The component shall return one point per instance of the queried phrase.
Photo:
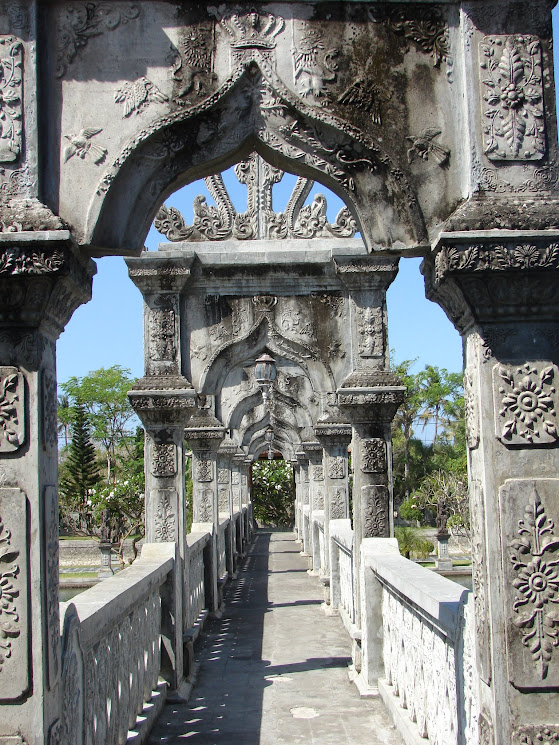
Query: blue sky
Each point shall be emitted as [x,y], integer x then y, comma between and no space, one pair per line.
[108,330]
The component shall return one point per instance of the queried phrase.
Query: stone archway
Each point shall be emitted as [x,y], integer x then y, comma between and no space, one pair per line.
[436,150]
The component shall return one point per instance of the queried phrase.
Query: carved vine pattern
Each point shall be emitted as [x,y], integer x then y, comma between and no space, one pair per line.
[9,617]
[11,92]
[164,460]
[478,258]
[424,26]
[534,559]
[164,518]
[513,112]
[82,21]
[10,405]
[21,261]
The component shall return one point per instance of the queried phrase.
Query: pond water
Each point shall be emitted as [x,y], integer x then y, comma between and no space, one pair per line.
[67,593]
[464,579]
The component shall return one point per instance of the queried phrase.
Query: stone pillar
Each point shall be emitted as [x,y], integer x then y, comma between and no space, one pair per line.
[302,498]
[501,292]
[313,451]
[246,500]
[164,400]
[334,438]
[204,436]
[317,490]
[43,280]
[225,501]
[236,495]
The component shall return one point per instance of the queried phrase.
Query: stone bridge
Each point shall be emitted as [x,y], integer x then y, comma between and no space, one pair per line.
[435,124]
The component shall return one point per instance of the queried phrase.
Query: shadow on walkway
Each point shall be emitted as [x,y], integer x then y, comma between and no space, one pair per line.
[273,669]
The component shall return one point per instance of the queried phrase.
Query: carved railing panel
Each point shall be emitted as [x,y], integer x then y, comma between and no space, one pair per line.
[221,550]
[196,596]
[111,655]
[429,651]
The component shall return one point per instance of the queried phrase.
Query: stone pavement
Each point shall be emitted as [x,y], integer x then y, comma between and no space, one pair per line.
[273,670]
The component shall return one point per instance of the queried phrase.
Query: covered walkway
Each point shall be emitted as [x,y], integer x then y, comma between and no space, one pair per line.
[274,669]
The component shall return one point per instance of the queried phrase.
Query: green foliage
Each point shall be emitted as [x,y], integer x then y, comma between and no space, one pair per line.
[411,542]
[273,491]
[79,472]
[410,511]
[451,490]
[103,393]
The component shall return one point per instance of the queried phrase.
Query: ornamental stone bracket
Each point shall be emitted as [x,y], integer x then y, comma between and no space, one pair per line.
[43,279]
[160,271]
[367,272]
[489,276]
[371,397]
[167,406]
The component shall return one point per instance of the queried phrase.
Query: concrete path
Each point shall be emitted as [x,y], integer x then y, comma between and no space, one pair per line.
[273,670]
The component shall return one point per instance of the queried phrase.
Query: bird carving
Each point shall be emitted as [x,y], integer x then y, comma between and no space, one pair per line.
[138,94]
[80,145]
[423,146]
[364,94]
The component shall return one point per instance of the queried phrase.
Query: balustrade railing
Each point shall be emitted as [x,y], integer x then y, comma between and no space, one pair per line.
[342,581]
[196,596]
[111,653]
[428,651]
[222,549]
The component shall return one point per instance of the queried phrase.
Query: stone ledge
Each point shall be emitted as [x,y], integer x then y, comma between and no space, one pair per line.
[408,730]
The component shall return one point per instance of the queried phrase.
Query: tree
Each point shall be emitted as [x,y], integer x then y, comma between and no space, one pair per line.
[273,492]
[64,417]
[410,542]
[407,415]
[438,391]
[451,490]
[80,472]
[104,395]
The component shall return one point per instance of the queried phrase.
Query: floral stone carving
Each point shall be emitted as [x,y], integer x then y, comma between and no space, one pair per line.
[336,467]
[513,111]
[339,504]
[164,459]
[136,96]
[373,455]
[531,581]
[164,522]
[471,410]
[11,91]
[14,670]
[536,734]
[525,404]
[375,511]
[204,470]
[12,408]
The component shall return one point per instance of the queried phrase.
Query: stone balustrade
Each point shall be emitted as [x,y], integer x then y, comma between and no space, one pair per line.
[342,576]
[111,653]
[222,529]
[428,649]
[196,597]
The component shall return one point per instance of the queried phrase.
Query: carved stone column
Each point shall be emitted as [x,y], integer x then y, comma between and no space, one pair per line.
[502,294]
[42,281]
[334,438]
[236,496]
[204,436]
[317,490]
[164,400]
[313,451]
[301,469]
[225,501]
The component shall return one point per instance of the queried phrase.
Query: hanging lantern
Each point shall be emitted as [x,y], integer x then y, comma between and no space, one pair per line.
[265,370]
[269,435]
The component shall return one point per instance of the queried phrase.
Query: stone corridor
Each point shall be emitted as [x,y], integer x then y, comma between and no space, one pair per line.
[273,670]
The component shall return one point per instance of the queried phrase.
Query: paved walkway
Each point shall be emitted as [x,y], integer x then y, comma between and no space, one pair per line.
[273,670]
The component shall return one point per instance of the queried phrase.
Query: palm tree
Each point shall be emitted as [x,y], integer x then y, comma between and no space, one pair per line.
[64,417]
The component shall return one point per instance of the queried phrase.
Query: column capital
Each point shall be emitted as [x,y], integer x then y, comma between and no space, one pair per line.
[43,279]
[157,407]
[485,277]
[367,272]
[333,433]
[205,432]
[371,397]
[160,272]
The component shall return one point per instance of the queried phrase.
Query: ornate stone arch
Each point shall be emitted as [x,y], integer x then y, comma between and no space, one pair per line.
[252,111]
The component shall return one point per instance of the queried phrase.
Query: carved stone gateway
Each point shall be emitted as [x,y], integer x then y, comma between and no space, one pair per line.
[434,123]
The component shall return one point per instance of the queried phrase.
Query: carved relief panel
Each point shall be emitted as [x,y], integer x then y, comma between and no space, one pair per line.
[204,469]
[373,455]
[14,639]
[336,467]
[204,506]
[479,581]
[471,407]
[370,332]
[163,508]
[339,504]
[318,472]
[162,344]
[374,501]
[512,98]
[163,459]
[51,583]
[531,544]
[525,403]
[11,98]
[12,409]
[49,409]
